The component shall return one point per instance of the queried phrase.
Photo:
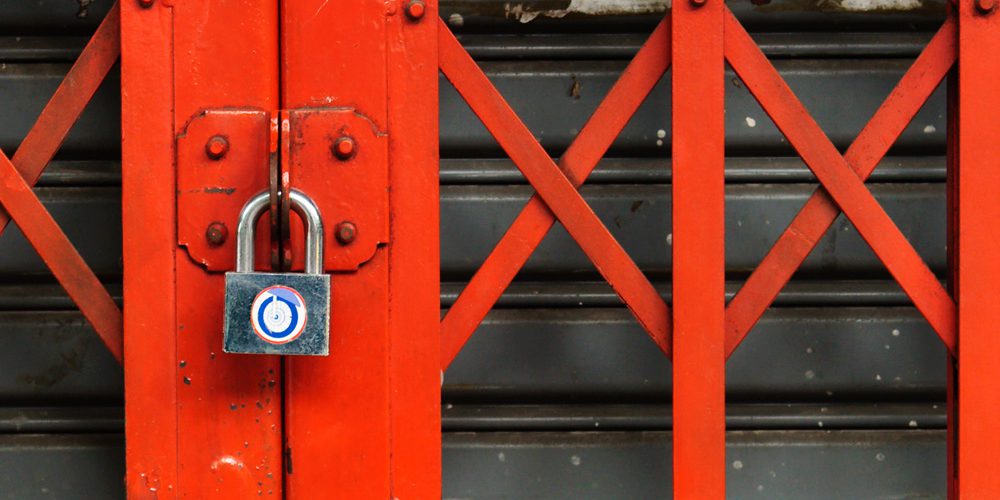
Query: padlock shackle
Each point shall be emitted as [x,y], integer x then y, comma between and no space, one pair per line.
[302,205]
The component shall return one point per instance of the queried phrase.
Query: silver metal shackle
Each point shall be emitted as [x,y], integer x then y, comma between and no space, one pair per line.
[308,212]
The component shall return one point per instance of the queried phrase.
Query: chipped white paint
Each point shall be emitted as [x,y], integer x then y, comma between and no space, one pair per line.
[751,122]
[659,142]
[810,374]
[661,133]
[880,457]
[895,333]
[575,460]
[930,129]
[875,5]
[737,464]
[525,13]
[456,20]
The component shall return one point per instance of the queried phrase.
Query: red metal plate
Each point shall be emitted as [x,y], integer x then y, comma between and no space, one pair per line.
[212,190]
[351,186]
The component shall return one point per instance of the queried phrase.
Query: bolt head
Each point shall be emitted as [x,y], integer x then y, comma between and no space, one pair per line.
[217,147]
[145,4]
[986,6]
[216,234]
[698,3]
[416,9]
[344,148]
[346,232]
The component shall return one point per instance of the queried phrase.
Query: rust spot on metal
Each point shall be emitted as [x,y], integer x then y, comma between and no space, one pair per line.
[574,89]
[219,190]
[82,12]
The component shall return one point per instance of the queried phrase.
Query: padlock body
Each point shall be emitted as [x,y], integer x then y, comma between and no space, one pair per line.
[276,313]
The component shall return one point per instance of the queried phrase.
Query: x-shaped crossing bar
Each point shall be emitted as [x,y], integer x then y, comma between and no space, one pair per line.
[19,174]
[557,196]
[820,211]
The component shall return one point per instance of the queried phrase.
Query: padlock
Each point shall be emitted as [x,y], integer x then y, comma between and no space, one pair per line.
[278,313]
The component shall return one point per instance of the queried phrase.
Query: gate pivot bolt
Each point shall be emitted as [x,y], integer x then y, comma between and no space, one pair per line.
[216,234]
[986,6]
[344,148]
[346,232]
[415,9]
[217,147]
[145,4]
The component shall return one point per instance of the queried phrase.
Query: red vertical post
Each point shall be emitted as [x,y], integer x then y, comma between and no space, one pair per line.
[149,245]
[978,267]
[698,250]
[414,253]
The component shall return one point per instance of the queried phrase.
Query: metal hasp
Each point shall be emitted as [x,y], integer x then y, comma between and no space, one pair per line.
[278,313]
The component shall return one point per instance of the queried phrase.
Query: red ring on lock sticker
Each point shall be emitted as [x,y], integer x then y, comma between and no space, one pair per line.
[278,314]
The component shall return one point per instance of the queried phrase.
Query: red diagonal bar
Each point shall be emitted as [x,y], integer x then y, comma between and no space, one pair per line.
[68,101]
[558,192]
[820,210]
[62,258]
[535,219]
[842,183]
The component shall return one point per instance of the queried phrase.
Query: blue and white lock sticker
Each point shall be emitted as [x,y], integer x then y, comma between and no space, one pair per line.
[278,314]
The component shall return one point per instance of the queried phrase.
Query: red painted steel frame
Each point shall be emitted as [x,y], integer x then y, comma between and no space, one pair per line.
[535,219]
[699,407]
[362,423]
[978,267]
[820,210]
[555,189]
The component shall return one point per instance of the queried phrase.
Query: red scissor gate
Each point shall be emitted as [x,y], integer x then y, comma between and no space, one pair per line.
[265,87]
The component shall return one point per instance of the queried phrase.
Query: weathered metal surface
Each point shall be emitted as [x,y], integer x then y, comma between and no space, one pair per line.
[539,215]
[540,93]
[350,189]
[474,216]
[568,15]
[62,466]
[601,354]
[645,417]
[763,464]
[755,217]
[820,211]
[595,465]
[53,356]
[212,190]
[552,96]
